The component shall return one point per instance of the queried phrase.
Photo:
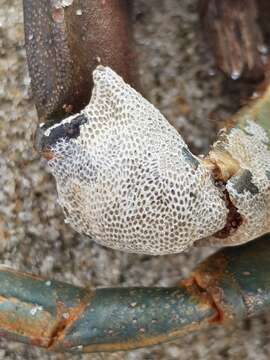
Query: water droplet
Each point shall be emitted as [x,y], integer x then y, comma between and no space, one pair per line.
[62,3]
[235,74]
[35,309]
[212,72]
[263,49]
[67,2]
[255,95]
[66,315]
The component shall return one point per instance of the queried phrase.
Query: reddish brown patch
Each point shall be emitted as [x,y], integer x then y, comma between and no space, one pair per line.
[66,318]
[234,218]
[47,154]
[223,166]
[205,297]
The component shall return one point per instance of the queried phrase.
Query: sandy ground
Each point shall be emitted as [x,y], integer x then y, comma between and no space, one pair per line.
[33,235]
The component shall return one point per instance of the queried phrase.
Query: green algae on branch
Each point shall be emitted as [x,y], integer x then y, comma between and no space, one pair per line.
[258,110]
[231,284]
[62,317]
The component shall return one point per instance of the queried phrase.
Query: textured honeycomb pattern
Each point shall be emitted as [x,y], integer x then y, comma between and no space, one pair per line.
[249,188]
[128,180]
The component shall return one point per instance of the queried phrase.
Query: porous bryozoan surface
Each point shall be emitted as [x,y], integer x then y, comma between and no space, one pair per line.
[248,188]
[127,178]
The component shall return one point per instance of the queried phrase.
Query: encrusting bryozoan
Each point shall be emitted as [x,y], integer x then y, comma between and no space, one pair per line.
[126,178]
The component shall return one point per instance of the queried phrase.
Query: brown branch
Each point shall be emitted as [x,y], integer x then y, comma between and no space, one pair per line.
[65,41]
[234,36]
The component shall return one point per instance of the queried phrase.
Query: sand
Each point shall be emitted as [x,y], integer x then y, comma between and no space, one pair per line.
[175,71]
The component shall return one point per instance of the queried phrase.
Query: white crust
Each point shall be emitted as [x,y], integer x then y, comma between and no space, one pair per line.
[129,180]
